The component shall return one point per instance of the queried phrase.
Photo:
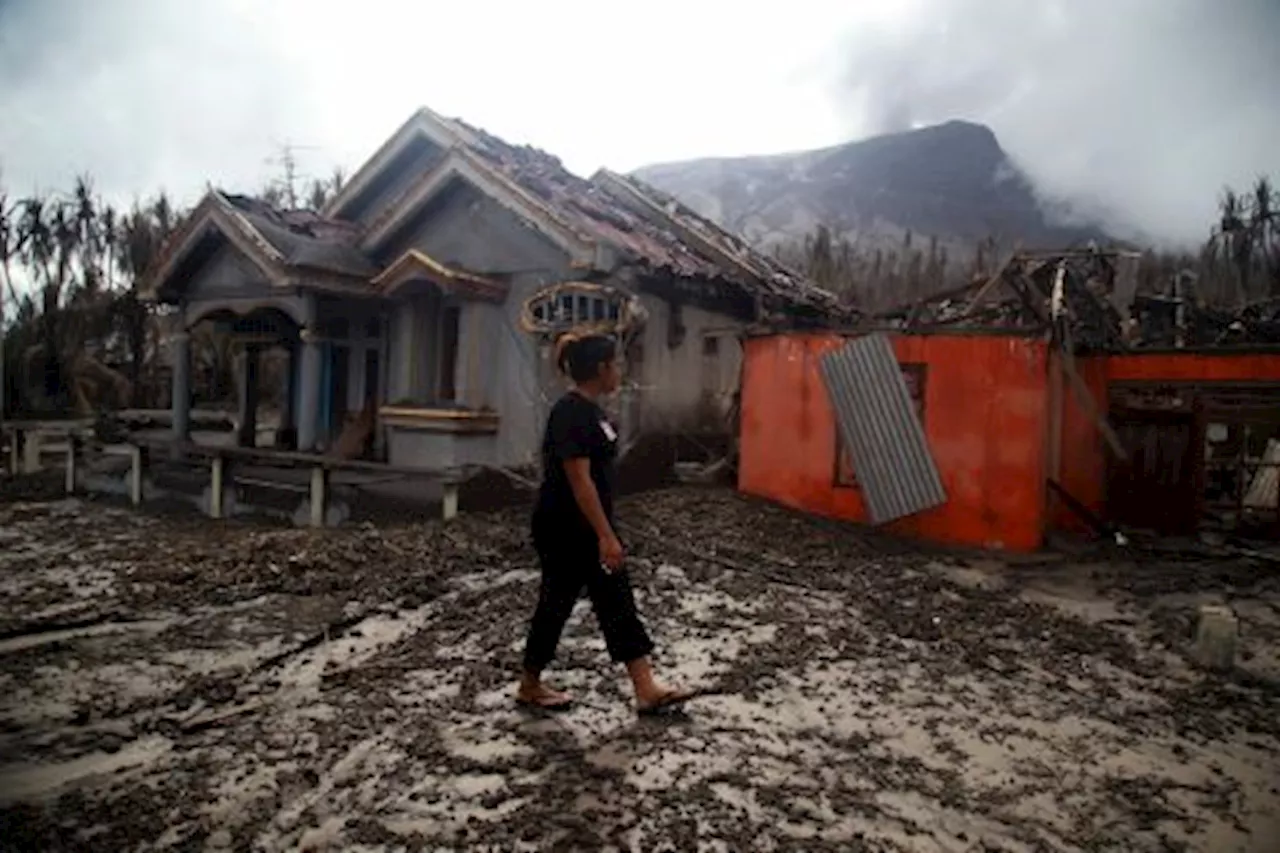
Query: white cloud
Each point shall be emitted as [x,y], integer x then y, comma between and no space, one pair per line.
[1144,106]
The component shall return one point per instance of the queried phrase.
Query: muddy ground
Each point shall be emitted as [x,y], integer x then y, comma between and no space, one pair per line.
[174,684]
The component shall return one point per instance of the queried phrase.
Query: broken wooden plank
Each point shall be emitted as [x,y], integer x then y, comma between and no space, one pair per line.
[985,290]
[1087,402]
[1088,516]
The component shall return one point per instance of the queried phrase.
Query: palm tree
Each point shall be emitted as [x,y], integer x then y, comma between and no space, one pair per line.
[8,247]
[140,235]
[1265,219]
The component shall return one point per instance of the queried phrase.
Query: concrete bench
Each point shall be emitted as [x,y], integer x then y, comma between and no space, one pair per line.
[29,441]
[318,489]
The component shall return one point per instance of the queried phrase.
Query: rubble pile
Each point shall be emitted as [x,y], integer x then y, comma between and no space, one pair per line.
[1021,295]
[1096,283]
[1168,321]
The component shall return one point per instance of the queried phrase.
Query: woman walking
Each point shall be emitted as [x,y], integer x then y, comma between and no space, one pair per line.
[574,535]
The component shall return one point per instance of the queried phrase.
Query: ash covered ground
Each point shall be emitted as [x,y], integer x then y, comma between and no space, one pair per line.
[170,683]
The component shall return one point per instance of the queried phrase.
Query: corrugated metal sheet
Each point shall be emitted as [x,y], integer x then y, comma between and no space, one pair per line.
[879,425]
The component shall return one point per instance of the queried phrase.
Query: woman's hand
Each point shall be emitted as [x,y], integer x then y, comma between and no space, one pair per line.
[611,553]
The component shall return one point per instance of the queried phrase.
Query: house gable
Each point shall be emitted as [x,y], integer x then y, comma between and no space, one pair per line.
[210,229]
[458,166]
[463,227]
[414,157]
[424,157]
[415,265]
[396,164]
[221,271]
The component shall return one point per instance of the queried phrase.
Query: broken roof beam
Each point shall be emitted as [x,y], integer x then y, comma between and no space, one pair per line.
[989,286]
[626,192]
[1071,254]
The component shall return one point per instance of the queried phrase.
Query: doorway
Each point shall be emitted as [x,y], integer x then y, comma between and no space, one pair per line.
[372,377]
[340,371]
[1158,487]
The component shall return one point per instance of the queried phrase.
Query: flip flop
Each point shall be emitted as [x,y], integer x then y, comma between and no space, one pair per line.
[668,700]
[545,705]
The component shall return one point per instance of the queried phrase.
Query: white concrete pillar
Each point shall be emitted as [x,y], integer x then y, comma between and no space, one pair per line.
[319,495]
[309,378]
[32,444]
[181,402]
[449,503]
[216,471]
[135,476]
[71,464]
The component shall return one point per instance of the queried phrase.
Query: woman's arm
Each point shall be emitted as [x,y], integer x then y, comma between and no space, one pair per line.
[578,471]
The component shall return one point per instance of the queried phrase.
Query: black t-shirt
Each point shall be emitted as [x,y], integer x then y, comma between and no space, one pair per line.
[576,428]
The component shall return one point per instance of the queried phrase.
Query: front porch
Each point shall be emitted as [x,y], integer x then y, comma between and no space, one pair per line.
[311,388]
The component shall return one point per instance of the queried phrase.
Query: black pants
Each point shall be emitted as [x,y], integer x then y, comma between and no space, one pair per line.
[570,563]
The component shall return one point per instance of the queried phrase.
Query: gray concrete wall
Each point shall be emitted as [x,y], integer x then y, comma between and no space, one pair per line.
[435,450]
[498,363]
[686,388]
[421,159]
[465,228]
[228,274]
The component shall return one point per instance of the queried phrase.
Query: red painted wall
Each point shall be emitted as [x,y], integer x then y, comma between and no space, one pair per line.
[984,408]
[1083,464]
[1194,367]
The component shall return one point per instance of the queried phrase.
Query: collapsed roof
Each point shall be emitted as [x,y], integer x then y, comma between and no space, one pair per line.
[611,223]
[1026,294]
[304,238]
[1020,296]
[648,226]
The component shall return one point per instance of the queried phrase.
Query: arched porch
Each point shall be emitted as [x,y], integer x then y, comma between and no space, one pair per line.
[301,365]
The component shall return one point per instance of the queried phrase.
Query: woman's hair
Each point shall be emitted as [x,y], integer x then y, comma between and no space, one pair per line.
[579,356]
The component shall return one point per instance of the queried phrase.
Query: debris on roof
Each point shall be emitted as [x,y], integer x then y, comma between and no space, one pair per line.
[601,209]
[657,240]
[1020,296]
[1178,319]
[304,238]
[1024,295]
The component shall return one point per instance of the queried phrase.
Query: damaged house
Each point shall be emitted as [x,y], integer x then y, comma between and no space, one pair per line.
[998,413]
[418,308]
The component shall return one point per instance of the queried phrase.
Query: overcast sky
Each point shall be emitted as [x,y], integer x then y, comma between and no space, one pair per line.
[1142,108]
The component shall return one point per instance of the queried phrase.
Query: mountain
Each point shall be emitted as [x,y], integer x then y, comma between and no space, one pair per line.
[951,181]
